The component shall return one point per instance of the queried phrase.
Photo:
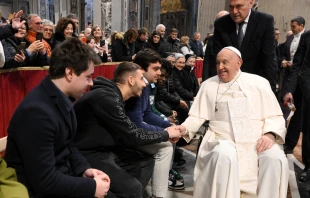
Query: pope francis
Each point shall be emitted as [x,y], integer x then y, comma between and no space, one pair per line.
[241,153]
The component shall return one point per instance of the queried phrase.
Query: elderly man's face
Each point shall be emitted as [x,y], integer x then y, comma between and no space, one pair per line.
[162,31]
[239,9]
[36,24]
[227,64]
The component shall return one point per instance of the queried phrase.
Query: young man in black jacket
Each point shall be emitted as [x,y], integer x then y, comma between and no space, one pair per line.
[109,140]
[40,134]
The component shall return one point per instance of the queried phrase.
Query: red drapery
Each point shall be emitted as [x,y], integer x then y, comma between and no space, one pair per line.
[15,84]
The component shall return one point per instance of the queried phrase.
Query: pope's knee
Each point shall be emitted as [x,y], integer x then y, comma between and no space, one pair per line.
[273,156]
[225,153]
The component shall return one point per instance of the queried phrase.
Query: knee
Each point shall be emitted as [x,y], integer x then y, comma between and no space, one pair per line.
[135,188]
[225,155]
[165,149]
[274,156]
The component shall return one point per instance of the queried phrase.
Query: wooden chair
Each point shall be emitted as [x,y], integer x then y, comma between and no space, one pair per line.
[3,142]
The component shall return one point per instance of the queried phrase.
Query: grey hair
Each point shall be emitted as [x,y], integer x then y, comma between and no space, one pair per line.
[72,16]
[29,18]
[47,22]
[160,26]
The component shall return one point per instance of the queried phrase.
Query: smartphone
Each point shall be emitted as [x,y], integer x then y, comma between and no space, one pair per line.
[39,36]
[21,47]
[102,43]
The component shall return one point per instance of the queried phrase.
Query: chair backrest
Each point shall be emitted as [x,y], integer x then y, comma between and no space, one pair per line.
[3,144]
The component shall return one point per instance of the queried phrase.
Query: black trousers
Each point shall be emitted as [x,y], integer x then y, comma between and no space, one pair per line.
[129,171]
[294,128]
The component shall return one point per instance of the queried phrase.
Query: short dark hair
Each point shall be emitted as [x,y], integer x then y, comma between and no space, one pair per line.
[174,30]
[71,53]
[145,57]
[299,20]
[166,65]
[143,31]
[123,69]
[275,29]
[72,16]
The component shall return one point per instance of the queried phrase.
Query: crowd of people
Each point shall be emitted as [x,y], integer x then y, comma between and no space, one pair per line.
[113,139]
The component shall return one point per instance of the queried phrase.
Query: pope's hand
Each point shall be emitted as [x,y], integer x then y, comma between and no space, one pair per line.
[182,129]
[265,143]
[173,132]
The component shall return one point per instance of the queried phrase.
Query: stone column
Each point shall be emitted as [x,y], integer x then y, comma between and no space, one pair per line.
[43,9]
[97,12]
[133,14]
[117,16]
[57,11]
[154,14]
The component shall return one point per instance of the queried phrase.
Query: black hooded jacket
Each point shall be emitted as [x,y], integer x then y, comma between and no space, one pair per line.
[103,124]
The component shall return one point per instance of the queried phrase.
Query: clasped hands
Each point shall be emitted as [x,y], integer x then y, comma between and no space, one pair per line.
[102,181]
[175,132]
[265,142]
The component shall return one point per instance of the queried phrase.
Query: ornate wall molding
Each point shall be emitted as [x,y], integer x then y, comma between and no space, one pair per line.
[43,7]
[74,6]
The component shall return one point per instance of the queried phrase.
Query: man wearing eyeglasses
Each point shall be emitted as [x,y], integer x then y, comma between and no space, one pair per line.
[35,26]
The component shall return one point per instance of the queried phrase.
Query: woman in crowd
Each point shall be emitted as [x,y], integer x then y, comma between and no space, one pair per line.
[90,41]
[48,31]
[154,42]
[182,80]
[63,30]
[18,54]
[123,48]
[100,43]
[190,61]
[185,48]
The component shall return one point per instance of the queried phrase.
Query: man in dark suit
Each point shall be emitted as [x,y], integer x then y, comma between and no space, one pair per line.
[300,77]
[289,50]
[42,128]
[255,39]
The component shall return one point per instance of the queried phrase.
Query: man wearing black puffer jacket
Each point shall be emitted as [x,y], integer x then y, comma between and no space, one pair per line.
[109,140]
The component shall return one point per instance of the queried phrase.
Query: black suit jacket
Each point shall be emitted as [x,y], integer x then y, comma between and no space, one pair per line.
[40,146]
[301,65]
[258,46]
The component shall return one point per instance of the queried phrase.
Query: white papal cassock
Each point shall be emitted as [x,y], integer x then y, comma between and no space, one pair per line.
[228,164]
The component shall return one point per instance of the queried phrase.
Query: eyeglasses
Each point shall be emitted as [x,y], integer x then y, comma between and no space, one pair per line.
[38,23]
[48,30]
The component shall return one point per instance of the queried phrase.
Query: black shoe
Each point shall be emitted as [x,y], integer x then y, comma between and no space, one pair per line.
[304,175]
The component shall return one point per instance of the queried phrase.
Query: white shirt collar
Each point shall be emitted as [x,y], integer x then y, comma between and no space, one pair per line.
[146,82]
[298,35]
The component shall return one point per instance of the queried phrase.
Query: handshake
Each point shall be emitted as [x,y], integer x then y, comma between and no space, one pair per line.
[175,132]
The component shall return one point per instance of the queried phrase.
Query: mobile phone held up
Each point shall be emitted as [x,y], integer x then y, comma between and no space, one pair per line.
[102,43]
[21,47]
[39,36]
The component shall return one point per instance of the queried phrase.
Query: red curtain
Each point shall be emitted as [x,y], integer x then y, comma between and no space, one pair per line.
[199,67]
[12,93]
[15,85]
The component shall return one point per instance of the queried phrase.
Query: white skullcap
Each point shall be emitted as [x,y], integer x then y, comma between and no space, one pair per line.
[234,50]
[178,55]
